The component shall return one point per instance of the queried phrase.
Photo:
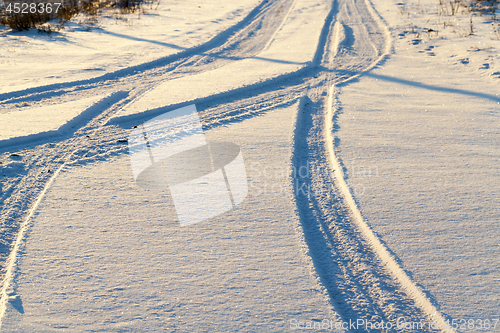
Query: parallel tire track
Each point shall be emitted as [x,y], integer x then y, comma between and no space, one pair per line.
[363,279]
[243,40]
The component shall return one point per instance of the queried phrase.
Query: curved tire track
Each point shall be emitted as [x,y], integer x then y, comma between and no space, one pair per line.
[363,279]
[45,161]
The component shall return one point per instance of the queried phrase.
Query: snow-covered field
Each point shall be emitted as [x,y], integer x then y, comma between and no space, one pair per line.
[370,137]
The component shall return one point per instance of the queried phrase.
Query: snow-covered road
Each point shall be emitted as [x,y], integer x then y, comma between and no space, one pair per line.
[85,249]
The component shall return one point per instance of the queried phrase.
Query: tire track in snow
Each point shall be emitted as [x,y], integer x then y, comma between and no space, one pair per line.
[396,271]
[12,258]
[363,279]
[45,164]
[242,40]
[352,273]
